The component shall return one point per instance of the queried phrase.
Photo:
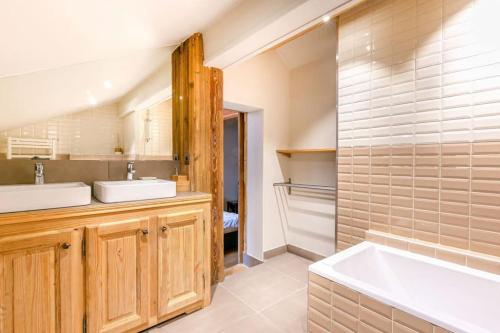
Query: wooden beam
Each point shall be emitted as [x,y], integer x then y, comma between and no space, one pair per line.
[217,171]
[197,113]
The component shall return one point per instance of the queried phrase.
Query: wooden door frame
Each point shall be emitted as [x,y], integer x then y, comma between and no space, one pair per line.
[242,182]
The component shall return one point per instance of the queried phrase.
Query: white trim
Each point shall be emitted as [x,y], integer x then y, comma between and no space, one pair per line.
[294,22]
[240,107]
[160,96]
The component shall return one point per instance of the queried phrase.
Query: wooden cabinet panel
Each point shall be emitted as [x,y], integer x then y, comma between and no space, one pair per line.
[37,273]
[118,270]
[139,267]
[180,260]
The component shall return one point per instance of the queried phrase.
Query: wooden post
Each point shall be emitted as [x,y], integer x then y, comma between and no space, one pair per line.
[197,117]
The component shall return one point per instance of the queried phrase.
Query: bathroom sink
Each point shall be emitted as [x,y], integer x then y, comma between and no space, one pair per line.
[16,198]
[130,190]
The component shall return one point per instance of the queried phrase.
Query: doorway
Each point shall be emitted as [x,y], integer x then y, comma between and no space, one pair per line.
[234,187]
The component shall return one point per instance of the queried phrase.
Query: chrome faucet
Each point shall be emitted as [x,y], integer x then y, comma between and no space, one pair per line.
[39,175]
[130,171]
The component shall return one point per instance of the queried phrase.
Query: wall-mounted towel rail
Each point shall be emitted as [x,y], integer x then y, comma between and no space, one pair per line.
[41,148]
[308,186]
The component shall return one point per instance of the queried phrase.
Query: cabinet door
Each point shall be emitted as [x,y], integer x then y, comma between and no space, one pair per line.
[36,282]
[180,260]
[117,275]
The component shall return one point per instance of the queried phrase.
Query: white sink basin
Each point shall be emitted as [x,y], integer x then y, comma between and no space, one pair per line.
[130,190]
[16,198]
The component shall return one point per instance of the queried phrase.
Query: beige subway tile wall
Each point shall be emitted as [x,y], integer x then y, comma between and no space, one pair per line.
[335,308]
[419,122]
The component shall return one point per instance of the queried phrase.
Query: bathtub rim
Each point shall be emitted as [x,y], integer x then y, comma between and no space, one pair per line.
[323,268]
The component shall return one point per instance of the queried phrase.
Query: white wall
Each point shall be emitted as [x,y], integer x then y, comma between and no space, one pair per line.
[310,215]
[242,22]
[313,105]
[255,184]
[155,88]
[264,82]
[299,111]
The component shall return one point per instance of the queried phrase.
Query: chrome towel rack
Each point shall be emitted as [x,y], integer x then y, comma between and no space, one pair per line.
[291,185]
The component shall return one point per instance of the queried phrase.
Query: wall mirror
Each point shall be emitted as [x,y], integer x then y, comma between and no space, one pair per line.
[111,109]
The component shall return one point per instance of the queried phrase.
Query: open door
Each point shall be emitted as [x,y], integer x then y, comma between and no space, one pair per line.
[234,188]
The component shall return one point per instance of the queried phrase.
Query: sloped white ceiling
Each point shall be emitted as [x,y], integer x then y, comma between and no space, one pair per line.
[29,98]
[62,56]
[38,35]
[313,46]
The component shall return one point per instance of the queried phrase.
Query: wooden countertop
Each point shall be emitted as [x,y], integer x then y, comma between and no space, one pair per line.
[97,208]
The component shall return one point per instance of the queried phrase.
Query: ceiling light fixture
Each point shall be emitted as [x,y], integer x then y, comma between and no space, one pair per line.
[108,84]
[92,100]
[326,18]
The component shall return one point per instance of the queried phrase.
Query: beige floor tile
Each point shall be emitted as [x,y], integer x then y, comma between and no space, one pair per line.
[224,311]
[257,275]
[267,298]
[266,289]
[252,324]
[292,265]
[291,313]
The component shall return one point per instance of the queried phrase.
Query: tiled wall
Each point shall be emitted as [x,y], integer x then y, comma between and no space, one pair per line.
[471,259]
[419,122]
[100,130]
[161,130]
[22,171]
[94,131]
[335,308]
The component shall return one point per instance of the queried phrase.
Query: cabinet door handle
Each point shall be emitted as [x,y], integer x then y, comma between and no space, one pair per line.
[145,232]
[66,246]
[163,229]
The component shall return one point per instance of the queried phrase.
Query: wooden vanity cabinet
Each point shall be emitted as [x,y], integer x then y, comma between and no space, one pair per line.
[122,268]
[181,278]
[117,275]
[38,273]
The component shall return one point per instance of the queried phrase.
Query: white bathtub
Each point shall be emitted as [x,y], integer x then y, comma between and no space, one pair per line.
[455,297]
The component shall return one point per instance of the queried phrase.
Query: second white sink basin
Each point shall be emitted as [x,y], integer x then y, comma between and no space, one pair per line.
[16,198]
[130,190]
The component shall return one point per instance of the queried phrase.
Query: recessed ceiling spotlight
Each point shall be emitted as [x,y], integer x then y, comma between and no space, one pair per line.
[326,18]
[108,84]
[90,97]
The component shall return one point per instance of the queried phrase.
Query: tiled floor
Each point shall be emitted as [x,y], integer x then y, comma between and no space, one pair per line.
[268,298]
